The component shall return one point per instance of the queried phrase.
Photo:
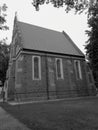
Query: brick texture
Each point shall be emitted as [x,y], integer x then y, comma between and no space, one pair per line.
[49,87]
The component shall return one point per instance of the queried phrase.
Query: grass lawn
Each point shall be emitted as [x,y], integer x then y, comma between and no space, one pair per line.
[79,114]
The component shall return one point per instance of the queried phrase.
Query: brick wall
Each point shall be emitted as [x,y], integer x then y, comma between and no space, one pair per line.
[69,86]
[32,88]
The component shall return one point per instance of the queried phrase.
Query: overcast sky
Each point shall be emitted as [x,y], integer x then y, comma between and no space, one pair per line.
[48,17]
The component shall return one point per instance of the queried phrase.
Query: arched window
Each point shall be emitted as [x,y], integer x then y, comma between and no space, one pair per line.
[59,68]
[36,68]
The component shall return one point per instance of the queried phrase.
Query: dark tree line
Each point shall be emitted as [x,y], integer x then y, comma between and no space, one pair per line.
[4,48]
[92,43]
[4,60]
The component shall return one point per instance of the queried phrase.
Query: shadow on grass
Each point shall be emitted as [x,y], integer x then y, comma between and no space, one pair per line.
[22,113]
[16,112]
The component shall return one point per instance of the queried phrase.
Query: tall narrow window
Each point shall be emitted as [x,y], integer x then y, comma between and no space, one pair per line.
[78,69]
[36,68]
[59,68]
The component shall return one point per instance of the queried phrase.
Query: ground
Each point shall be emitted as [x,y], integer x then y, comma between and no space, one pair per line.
[73,114]
[7,122]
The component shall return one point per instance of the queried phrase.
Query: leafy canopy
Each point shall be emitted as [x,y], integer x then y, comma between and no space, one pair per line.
[92,43]
[78,5]
[3,15]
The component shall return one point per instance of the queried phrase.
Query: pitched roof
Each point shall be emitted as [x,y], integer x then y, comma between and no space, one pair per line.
[38,38]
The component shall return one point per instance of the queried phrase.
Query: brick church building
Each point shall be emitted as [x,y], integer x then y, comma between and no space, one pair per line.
[46,64]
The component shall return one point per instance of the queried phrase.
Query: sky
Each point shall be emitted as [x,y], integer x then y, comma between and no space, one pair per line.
[47,17]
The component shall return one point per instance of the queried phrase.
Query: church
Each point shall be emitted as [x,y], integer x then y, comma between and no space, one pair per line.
[46,65]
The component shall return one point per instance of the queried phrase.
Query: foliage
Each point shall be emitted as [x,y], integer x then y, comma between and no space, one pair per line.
[78,5]
[4,59]
[4,48]
[3,9]
[92,43]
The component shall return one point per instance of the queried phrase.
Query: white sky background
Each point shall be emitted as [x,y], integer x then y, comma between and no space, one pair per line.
[48,17]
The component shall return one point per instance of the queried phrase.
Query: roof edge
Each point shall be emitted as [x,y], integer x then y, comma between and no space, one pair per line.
[56,53]
[66,35]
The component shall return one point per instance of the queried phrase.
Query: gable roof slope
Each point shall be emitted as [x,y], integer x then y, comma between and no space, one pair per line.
[41,39]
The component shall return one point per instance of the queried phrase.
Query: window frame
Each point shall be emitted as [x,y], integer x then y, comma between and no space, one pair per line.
[39,65]
[61,68]
[78,71]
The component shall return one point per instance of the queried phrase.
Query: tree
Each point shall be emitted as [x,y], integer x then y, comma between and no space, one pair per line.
[4,48]
[3,9]
[4,59]
[78,5]
[92,43]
